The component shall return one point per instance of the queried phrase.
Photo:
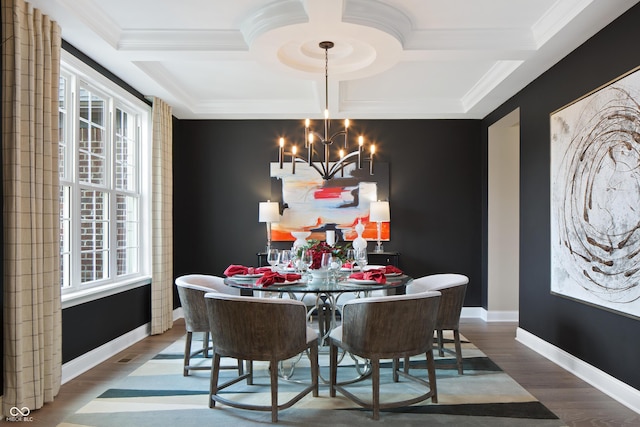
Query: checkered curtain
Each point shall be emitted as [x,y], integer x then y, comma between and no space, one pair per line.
[162,218]
[31,266]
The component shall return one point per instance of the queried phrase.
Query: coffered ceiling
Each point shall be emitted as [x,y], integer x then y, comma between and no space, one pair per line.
[259,59]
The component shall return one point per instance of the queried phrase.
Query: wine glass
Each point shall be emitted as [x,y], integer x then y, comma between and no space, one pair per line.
[285,260]
[325,261]
[331,264]
[350,258]
[334,267]
[273,257]
[306,259]
[361,258]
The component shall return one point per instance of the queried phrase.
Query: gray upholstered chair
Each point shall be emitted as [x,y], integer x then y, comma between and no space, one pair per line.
[191,290]
[265,329]
[453,288]
[386,328]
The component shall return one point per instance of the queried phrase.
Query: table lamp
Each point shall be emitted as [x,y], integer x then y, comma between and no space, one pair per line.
[379,213]
[269,212]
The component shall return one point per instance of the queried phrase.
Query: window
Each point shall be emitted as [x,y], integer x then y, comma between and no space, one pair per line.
[104,187]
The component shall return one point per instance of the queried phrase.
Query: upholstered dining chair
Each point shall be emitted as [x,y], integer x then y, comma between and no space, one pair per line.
[385,327]
[260,329]
[191,291]
[453,288]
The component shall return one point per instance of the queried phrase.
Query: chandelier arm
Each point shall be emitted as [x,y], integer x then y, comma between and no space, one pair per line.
[346,160]
[335,135]
[313,165]
[317,135]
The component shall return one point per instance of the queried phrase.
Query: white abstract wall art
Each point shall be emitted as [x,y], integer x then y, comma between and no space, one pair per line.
[595,197]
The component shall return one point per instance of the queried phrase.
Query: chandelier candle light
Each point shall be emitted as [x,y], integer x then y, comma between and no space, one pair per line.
[379,213]
[325,168]
[268,212]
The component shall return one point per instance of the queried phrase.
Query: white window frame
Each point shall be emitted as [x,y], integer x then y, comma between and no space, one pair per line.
[78,73]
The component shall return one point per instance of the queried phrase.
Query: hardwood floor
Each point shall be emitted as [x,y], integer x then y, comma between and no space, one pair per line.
[573,400]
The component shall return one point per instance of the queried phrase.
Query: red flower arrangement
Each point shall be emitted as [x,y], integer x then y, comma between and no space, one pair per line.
[318,247]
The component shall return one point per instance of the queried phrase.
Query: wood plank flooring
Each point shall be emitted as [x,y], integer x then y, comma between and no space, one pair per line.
[574,401]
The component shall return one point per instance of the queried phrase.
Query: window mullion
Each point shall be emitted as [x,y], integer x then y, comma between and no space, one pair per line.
[76,205]
[113,229]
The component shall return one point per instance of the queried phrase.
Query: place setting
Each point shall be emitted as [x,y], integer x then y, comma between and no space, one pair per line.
[281,272]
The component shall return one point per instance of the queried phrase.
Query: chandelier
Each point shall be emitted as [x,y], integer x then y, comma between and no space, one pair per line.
[324,166]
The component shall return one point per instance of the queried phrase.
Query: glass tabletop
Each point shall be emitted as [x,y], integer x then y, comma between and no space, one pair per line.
[320,285]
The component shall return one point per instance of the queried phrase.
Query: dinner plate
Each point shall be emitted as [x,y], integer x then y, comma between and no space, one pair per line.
[349,269]
[248,276]
[393,274]
[373,267]
[363,282]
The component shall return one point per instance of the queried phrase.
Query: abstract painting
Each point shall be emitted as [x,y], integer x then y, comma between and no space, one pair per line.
[314,205]
[595,197]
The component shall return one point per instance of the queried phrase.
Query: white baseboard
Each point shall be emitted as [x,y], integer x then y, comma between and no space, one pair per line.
[489,316]
[616,389]
[471,313]
[83,363]
[501,316]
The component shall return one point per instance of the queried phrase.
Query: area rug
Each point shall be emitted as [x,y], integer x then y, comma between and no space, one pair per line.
[157,394]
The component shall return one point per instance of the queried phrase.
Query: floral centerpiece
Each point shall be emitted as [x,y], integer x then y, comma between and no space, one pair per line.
[318,247]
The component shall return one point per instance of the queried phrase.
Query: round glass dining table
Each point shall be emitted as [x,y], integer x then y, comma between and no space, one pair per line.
[394,284]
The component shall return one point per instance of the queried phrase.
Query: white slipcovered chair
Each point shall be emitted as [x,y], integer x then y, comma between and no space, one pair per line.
[191,290]
[453,288]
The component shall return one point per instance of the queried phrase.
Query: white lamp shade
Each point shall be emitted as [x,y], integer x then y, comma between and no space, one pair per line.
[269,212]
[379,212]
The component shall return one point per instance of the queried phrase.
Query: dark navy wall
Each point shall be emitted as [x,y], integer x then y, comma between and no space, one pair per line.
[601,338]
[221,172]
[88,326]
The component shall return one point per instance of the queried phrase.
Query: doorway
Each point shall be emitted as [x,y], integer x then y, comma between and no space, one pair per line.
[503,219]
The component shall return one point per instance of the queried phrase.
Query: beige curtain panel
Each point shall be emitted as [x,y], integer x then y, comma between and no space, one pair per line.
[32,312]
[162,218]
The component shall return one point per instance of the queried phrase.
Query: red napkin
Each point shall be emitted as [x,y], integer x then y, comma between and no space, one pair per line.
[234,269]
[376,275]
[390,269]
[271,278]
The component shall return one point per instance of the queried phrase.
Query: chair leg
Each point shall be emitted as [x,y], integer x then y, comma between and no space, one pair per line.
[431,369]
[394,369]
[313,355]
[187,354]
[250,372]
[440,340]
[240,367]
[375,387]
[205,345]
[273,368]
[213,386]
[333,368]
[406,364]
[456,339]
